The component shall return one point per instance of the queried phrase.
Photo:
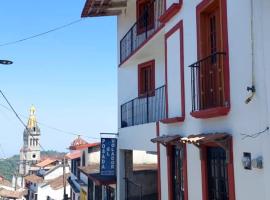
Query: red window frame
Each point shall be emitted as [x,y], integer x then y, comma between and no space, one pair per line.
[230,170]
[203,8]
[141,4]
[142,91]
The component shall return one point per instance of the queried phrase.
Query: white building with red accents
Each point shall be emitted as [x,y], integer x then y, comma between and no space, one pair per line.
[193,88]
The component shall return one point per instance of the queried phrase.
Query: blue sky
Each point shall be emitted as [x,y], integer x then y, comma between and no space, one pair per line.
[69,75]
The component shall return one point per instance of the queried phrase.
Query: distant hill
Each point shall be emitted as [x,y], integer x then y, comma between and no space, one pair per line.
[8,166]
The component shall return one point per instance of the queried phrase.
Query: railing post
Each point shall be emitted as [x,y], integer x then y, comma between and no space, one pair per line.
[131,38]
[132,110]
[147,107]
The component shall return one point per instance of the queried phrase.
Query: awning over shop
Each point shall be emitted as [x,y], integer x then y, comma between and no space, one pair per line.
[95,8]
[73,186]
[200,139]
[167,139]
[221,139]
[99,179]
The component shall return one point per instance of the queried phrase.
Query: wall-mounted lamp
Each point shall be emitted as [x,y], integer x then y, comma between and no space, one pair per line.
[6,62]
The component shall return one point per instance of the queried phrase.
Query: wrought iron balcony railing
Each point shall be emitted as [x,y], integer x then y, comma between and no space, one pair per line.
[146,26]
[207,82]
[141,110]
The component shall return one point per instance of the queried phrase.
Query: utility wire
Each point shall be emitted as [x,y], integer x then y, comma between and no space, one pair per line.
[18,117]
[255,135]
[2,151]
[51,127]
[40,34]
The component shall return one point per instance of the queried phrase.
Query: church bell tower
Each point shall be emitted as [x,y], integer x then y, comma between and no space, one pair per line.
[30,152]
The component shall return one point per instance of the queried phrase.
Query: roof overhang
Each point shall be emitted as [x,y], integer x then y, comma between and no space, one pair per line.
[97,8]
[84,146]
[167,139]
[102,180]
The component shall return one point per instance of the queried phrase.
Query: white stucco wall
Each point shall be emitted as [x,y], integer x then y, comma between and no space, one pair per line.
[44,192]
[243,118]
[174,73]
[143,157]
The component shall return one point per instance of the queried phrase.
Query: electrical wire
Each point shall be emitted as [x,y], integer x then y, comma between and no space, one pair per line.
[18,117]
[52,127]
[255,135]
[2,151]
[41,34]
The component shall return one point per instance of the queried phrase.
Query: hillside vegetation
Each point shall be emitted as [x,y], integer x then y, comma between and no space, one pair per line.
[9,166]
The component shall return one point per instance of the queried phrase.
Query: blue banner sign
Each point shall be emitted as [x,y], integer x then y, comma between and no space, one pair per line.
[108,156]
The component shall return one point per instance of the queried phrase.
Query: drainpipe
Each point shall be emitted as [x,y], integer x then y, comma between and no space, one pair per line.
[251,88]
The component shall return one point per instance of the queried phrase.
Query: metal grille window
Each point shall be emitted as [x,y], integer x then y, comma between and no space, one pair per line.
[217,174]
[178,173]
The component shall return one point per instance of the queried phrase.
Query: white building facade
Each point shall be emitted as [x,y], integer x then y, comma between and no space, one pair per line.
[193,87]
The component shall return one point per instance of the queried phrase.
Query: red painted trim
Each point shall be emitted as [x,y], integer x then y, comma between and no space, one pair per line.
[170,13]
[172,120]
[142,45]
[225,44]
[151,64]
[159,170]
[169,171]
[165,3]
[185,169]
[150,26]
[230,169]
[211,112]
[178,26]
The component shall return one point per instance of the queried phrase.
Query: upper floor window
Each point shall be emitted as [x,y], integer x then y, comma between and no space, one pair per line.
[145,15]
[210,82]
[146,78]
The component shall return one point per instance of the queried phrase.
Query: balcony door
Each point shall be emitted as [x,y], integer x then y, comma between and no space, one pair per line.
[211,70]
[146,79]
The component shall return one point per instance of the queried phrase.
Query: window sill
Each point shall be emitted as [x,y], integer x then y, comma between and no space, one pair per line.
[211,112]
[173,120]
[170,12]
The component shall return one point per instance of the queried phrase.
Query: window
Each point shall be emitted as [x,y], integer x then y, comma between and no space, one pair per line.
[217,174]
[177,164]
[210,74]
[146,78]
[145,15]
[31,141]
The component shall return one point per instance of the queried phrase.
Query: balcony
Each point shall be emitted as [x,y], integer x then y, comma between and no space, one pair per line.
[209,86]
[141,110]
[143,30]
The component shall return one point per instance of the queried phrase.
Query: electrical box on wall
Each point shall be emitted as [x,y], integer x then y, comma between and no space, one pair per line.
[246,160]
[257,162]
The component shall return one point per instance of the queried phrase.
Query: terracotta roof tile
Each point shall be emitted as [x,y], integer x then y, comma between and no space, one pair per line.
[34,178]
[90,169]
[5,182]
[46,162]
[57,183]
[73,155]
[11,194]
